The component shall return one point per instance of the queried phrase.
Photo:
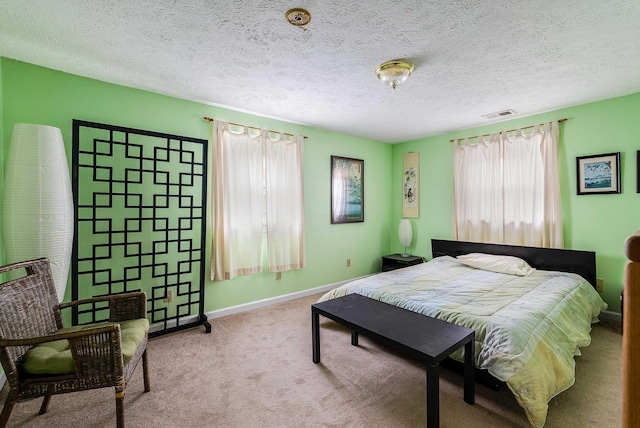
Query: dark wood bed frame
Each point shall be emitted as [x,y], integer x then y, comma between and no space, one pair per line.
[580,262]
[574,261]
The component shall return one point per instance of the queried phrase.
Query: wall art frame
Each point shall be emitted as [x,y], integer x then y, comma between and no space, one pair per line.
[638,171]
[411,185]
[598,174]
[347,190]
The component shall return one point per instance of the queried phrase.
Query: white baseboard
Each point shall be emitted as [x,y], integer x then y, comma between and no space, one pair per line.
[274,300]
[249,306]
[610,317]
[172,323]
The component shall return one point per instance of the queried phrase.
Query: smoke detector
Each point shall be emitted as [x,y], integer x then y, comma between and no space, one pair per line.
[298,17]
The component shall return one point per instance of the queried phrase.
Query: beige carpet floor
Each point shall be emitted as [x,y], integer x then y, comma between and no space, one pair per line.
[255,370]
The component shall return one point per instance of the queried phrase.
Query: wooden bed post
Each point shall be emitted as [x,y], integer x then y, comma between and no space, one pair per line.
[631,335]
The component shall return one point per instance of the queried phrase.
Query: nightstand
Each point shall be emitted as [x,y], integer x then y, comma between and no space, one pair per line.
[397,261]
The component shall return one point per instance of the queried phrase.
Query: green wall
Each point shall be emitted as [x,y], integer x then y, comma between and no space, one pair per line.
[39,95]
[599,223]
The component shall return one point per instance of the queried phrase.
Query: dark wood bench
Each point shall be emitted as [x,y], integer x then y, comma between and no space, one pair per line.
[418,336]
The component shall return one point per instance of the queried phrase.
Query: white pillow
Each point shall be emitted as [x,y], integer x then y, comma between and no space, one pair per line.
[503,264]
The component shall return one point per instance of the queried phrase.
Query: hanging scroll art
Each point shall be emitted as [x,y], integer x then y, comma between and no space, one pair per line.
[410,185]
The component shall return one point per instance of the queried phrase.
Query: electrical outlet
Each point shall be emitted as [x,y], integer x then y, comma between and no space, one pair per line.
[169,296]
[600,284]
[278,275]
[348,262]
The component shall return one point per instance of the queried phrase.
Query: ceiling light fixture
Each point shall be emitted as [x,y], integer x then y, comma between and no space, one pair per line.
[298,17]
[394,72]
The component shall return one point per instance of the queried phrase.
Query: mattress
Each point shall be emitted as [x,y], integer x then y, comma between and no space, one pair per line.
[528,328]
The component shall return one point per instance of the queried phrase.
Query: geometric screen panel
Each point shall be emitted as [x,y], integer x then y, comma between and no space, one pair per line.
[140,205]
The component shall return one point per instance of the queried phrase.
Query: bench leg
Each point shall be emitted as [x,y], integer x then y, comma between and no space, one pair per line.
[469,372]
[433,396]
[354,338]
[315,335]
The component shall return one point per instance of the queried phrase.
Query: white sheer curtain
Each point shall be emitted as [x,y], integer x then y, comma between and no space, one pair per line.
[284,203]
[255,179]
[237,202]
[507,189]
[477,205]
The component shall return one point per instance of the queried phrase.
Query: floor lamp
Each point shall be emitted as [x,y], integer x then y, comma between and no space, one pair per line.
[37,208]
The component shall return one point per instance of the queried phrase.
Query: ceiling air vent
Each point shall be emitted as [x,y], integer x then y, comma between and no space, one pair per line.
[498,114]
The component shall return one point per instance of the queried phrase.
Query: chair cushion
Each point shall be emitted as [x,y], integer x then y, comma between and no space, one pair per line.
[53,358]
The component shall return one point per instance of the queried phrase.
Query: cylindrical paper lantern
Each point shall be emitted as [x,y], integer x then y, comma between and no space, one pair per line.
[38,204]
[405,234]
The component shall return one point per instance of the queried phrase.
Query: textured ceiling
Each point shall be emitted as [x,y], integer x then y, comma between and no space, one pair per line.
[472,57]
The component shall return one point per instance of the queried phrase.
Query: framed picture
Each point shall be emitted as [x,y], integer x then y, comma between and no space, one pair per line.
[598,174]
[410,185]
[347,190]
[638,171]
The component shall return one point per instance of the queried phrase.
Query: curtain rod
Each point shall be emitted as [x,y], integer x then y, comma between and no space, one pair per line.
[510,130]
[209,119]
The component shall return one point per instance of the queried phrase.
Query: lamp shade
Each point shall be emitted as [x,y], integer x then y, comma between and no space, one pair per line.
[37,208]
[405,233]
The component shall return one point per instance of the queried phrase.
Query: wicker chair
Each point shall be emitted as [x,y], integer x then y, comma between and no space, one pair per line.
[30,315]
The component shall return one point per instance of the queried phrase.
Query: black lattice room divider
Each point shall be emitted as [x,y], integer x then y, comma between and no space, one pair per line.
[140,206]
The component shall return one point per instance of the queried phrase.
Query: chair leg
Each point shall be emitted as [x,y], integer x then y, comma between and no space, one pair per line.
[6,410]
[45,404]
[145,371]
[120,409]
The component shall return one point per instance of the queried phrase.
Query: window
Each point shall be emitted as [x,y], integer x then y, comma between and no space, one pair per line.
[256,183]
[507,189]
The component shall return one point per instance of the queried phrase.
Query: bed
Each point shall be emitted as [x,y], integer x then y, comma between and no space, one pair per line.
[529,322]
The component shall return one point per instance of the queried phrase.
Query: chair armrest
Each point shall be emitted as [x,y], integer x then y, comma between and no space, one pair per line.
[122,307]
[32,341]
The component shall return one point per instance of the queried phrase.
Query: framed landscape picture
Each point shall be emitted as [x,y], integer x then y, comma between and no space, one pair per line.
[638,171]
[347,190]
[598,174]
